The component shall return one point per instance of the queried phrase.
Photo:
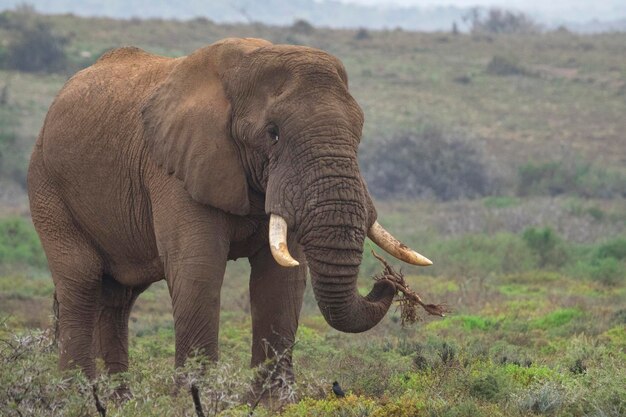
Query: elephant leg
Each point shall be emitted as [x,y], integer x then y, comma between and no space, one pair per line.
[77,296]
[276,300]
[110,341]
[195,268]
[195,291]
[76,269]
[193,242]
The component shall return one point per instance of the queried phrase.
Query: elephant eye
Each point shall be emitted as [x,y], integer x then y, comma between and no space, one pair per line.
[272,131]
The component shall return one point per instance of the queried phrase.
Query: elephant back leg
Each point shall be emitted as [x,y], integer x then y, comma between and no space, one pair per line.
[75,265]
[76,269]
[110,340]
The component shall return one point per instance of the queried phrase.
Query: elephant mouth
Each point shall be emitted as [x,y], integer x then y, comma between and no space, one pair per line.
[381,237]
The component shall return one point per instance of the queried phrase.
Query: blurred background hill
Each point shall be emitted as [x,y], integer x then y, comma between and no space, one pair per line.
[426,15]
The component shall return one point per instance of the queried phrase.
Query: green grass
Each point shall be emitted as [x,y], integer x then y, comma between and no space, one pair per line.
[19,244]
[523,339]
[556,319]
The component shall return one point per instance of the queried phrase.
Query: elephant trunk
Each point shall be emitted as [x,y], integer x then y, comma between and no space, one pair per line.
[332,235]
[335,289]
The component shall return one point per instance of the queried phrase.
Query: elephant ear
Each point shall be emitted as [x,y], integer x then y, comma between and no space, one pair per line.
[187,126]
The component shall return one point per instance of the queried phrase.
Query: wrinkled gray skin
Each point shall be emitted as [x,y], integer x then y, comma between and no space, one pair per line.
[151,168]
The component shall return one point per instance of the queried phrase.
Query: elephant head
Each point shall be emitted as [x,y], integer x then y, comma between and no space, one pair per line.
[245,114]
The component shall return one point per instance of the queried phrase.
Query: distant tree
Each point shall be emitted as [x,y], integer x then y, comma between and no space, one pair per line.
[362,34]
[496,20]
[455,28]
[303,27]
[33,46]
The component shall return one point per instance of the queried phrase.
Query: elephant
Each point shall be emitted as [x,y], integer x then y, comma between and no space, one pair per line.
[150,168]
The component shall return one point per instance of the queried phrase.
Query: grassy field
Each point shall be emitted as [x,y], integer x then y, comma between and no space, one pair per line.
[538,328]
[535,279]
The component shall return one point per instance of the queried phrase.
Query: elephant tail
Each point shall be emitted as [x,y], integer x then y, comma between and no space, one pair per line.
[55,312]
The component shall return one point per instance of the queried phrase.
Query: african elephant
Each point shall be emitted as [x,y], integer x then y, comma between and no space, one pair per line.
[151,168]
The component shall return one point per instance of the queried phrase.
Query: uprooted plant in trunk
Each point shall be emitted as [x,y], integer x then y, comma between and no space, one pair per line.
[409,300]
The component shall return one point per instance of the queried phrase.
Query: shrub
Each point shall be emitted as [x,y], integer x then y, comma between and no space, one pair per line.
[501,65]
[578,367]
[537,178]
[464,409]
[546,245]
[19,244]
[447,353]
[546,399]
[604,264]
[569,176]
[32,385]
[485,388]
[33,46]
[427,164]
[608,271]
[613,249]
[619,317]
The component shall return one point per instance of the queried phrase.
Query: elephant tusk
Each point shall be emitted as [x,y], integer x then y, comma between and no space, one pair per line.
[278,242]
[394,247]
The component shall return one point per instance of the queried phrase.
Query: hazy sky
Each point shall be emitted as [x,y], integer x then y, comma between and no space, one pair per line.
[590,4]
[550,13]
[553,9]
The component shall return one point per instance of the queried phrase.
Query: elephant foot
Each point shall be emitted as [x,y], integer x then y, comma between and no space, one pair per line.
[121,394]
[181,384]
[273,387]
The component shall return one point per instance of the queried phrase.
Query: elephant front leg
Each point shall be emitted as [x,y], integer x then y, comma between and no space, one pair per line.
[193,243]
[276,300]
[195,290]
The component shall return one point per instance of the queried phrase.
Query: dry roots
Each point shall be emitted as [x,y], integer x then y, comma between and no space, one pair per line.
[410,299]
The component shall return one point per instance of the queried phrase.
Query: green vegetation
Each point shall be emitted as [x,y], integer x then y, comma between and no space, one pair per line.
[502,65]
[567,177]
[449,167]
[529,335]
[12,158]
[525,221]
[32,47]
[19,244]
[546,246]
